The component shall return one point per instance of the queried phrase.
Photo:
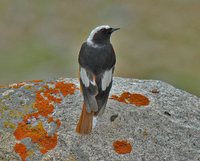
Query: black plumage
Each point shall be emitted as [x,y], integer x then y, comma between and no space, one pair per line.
[96,66]
[96,61]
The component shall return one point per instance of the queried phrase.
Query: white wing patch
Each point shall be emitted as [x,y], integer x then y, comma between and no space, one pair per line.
[86,81]
[84,77]
[106,79]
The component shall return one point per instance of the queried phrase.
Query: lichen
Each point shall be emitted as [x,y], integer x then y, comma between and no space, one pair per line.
[9,124]
[21,150]
[132,98]
[29,87]
[14,114]
[2,111]
[17,85]
[27,108]
[37,134]
[2,114]
[145,133]
[122,146]
[35,81]
[4,108]
[46,98]
[66,89]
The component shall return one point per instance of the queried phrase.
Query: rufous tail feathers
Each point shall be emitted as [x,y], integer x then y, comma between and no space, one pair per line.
[84,125]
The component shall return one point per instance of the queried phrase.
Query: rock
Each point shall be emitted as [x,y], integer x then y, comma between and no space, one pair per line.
[38,120]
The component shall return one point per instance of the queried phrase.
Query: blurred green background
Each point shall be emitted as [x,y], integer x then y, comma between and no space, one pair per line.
[159,39]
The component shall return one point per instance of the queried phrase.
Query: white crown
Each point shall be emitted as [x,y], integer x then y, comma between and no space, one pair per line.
[95,30]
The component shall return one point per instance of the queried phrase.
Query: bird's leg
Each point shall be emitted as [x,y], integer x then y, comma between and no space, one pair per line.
[94,122]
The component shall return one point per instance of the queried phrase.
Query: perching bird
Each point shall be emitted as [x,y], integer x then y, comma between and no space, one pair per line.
[96,67]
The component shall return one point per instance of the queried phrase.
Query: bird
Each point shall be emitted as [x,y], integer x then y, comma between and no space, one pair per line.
[97,61]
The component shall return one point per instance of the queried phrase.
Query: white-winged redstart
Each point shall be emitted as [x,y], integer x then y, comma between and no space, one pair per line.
[96,66]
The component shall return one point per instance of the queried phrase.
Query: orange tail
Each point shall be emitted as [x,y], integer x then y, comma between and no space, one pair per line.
[84,125]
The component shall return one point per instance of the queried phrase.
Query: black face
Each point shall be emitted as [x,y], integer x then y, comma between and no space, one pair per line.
[103,35]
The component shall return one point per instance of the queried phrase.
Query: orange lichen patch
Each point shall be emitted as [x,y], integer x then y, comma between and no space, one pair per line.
[50,90]
[132,98]
[48,142]
[21,150]
[66,88]
[36,81]
[37,134]
[58,122]
[43,151]
[28,116]
[48,93]
[122,147]
[50,119]
[44,106]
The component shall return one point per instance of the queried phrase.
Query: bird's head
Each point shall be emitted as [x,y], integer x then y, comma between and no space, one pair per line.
[101,35]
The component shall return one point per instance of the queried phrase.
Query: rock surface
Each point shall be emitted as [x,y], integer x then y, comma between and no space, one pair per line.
[165,128]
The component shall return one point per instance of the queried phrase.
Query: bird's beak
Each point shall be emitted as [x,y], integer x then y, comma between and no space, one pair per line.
[114,29]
